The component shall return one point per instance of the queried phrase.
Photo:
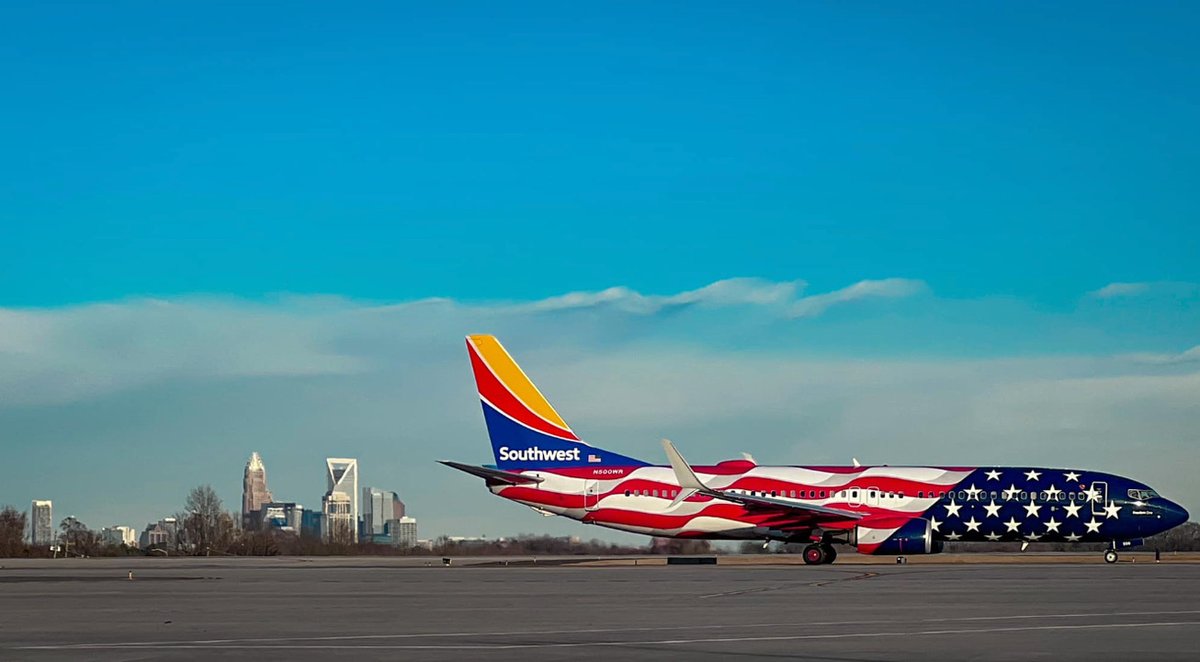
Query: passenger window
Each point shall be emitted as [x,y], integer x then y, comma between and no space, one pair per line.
[920,494]
[626,492]
[793,494]
[1024,495]
[822,494]
[773,493]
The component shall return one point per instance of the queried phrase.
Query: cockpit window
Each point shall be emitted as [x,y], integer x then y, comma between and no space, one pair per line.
[1142,495]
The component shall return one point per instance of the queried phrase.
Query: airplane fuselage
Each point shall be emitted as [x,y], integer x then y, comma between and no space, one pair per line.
[997,504]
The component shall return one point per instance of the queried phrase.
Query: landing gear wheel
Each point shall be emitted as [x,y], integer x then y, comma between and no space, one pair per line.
[1110,556]
[830,553]
[814,555]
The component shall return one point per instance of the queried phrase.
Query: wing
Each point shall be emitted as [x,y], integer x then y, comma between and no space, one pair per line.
[790,511]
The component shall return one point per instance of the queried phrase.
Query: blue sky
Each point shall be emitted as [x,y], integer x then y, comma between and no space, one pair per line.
[216,220]
[395,151]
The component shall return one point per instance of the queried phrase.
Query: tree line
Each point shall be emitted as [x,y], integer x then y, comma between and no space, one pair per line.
[205,528]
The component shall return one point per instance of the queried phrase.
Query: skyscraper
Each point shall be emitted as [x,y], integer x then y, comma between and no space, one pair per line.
[41,523]
[254,491]
[378,508]
[341,499]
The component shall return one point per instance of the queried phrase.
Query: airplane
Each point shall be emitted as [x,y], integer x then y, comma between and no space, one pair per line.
[541,463]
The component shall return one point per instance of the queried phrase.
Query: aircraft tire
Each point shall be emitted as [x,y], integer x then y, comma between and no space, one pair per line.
[1110,556]
[814,555]
[830,553]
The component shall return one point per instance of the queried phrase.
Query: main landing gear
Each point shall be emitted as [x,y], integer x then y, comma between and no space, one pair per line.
[816,554]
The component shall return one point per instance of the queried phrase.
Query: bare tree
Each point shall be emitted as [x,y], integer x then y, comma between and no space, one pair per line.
[679,546]
[205,527]
[341,533]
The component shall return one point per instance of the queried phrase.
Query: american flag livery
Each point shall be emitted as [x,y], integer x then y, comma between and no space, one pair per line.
[540,462]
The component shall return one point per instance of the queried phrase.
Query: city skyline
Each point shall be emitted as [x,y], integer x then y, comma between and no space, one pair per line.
[340,474]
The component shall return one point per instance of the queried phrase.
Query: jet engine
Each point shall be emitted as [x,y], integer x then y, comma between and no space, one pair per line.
[895,536]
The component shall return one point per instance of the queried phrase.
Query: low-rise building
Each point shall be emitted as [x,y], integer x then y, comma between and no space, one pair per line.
[402,532]
[283,516]
[120,535]
[162,533]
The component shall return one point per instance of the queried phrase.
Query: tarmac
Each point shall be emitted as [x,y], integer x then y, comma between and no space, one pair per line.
[407,609]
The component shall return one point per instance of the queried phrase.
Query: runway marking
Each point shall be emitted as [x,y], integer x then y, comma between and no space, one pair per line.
[268,642]
[652,642]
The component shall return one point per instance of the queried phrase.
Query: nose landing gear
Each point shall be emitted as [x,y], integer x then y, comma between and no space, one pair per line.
[1110,556]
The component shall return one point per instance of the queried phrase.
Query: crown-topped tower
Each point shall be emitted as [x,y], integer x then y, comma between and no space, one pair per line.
[254,491]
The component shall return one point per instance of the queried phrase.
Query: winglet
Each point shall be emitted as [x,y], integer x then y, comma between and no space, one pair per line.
[684,475]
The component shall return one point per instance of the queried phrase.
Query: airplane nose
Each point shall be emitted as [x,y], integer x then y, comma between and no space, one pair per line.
[1173,514]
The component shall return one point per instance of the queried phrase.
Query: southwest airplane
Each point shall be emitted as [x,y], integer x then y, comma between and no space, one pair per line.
[542,464]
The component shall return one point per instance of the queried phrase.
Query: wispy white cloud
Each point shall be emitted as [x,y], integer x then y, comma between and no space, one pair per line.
[1113,290]
[61,354]
[888,288]
[1187,356]
[728,292]
[1123,290]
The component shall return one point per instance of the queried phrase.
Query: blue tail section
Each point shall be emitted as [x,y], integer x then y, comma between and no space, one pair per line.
[517,447]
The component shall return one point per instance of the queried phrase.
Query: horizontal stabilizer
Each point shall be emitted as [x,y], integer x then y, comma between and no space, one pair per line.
[492,475]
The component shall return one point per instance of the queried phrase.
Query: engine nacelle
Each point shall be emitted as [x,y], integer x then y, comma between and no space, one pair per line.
[895,536]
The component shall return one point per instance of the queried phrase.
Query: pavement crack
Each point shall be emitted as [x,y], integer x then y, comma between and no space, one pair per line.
[789,585]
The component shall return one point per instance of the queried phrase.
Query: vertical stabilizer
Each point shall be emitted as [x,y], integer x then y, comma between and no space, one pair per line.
[525,430]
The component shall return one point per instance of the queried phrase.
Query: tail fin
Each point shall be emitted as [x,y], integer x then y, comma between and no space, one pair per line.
[525,430]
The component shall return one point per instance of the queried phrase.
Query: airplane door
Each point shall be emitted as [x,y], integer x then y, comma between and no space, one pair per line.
[591,494]
[1101,488]
[872,497]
